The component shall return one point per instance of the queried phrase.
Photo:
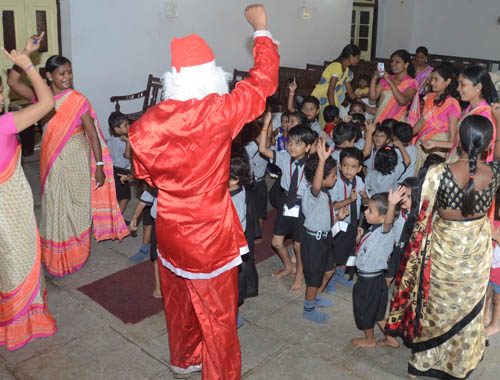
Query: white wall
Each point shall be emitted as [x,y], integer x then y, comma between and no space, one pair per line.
[466,28]
[115,44]
[395,26]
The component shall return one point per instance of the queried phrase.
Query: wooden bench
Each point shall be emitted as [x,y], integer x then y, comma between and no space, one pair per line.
[150,94]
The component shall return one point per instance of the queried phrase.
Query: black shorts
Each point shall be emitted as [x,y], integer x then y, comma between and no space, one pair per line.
[122,189]
[260,191]
[147,219]
[369,301]
[289,226]
[344,245]
[317,258]
[153,252]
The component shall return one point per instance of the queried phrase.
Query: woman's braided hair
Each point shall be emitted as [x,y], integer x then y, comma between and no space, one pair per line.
[476,133]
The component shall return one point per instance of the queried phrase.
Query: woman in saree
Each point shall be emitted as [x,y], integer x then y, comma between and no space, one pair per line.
[396,93]
[437,307]
[335,82]
[23,298]
[475,88]
[422,70]
[76,173]
[440,114]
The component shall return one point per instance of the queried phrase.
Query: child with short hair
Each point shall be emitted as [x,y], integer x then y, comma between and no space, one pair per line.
[331,114]
[316,246]
[121,153]
[403,132]
[348,191]
[357,107]
[370,294]
[376,136]
[344,136]
[240,175]
[387,169]
[289,220]
[358,120]
[258,166]
[363,87]
[280,134]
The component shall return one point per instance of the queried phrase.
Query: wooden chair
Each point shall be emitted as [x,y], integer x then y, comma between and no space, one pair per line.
[150,94]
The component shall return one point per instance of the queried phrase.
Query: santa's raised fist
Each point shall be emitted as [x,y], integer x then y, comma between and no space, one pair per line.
[256,16]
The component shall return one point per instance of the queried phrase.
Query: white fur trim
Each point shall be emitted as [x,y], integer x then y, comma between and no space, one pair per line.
[265,33]
[185,371]
[201,275]
[195,82]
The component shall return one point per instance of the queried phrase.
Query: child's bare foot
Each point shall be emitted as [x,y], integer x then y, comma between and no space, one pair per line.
[283,272]
[492,329]
[364,342]
[157,293]
[388,341]
[410,376]
[296,286]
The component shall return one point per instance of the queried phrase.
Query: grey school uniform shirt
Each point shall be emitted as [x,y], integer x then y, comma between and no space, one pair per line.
[410,169]
[239,201]
[258,164]
[374,250]
[316,210]
[341,191]
[376,182]
[117,150]
[287,165]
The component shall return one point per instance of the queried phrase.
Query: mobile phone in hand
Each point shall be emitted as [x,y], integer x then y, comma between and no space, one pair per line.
[381,68]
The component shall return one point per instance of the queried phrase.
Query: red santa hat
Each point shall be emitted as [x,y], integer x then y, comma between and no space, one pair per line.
[190,51]
[194,73]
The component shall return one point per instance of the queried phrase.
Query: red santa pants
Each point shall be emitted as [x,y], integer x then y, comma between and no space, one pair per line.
[201,324]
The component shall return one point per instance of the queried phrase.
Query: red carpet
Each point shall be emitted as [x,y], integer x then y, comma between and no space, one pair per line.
[127,294]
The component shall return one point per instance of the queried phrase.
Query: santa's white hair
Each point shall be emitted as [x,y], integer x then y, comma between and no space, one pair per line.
[195,82]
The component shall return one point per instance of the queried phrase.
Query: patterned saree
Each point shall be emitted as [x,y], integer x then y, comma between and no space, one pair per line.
[437,306]
[23,299]
[389,108]
[70,202]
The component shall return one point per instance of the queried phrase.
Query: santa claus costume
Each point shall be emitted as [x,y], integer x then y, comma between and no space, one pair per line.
[182,147]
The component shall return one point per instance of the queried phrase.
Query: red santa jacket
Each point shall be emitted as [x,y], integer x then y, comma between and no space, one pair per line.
[183,148]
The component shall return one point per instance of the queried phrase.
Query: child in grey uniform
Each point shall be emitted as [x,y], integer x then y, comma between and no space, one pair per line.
[289,220]
[370,294]
[316,246]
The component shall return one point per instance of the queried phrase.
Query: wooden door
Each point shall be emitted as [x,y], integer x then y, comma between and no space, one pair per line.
[362,30]
[22,18]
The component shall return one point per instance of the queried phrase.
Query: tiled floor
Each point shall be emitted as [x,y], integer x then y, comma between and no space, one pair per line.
[276,342]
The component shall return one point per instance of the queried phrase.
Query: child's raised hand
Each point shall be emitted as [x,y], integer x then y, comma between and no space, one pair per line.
[256,16]
[33,43]
[370,127]
[266,119]
[323,153]
[364,194]
[19,59]
[347,118]
[396,196]
[292,85]
[343,213]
